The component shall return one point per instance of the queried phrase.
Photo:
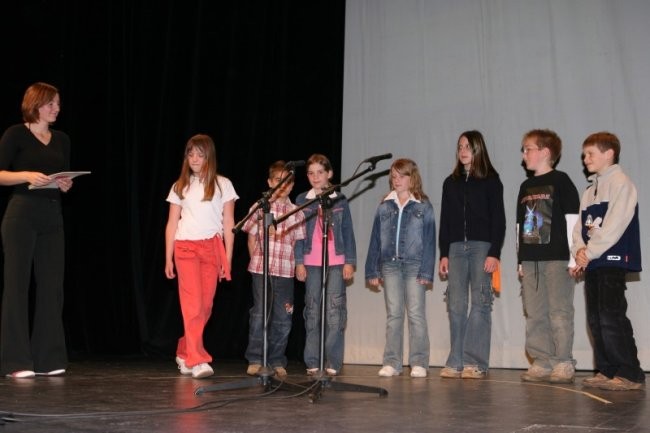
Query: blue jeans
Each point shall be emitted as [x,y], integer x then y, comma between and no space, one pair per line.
[280,312]
[335,320]
[548,305]
[615,351]
[468,283]
[403,293]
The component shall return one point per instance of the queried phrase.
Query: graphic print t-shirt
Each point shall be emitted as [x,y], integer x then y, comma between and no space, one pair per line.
[538,217]
[542,204]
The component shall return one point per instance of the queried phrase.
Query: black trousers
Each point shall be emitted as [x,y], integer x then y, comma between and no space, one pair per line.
[615,351]
[32,238]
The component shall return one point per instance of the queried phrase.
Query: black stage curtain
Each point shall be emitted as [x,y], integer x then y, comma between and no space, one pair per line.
[137,79]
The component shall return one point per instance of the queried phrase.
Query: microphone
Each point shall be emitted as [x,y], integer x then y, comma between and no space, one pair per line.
[374,159]
[293,164]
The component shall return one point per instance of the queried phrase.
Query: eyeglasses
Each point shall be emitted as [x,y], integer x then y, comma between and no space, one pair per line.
[525,150]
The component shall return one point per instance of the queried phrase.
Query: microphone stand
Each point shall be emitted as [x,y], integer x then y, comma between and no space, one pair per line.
[265,374]
[322,380]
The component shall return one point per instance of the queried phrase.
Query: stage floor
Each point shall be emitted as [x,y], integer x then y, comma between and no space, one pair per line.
[150,396]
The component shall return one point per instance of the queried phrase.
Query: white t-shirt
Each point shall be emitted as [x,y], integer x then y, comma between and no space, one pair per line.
[201,219]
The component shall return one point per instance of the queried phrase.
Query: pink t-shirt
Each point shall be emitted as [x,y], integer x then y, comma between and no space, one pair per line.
[314,258]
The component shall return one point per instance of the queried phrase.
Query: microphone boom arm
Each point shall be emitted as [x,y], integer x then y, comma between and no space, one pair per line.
[325,193]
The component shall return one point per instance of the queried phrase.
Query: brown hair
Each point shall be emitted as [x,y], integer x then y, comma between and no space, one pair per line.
[604,141]
[317,158]
[546,139]
[204,144]
[36,95]
[279,167]
[481,166]
[408,167]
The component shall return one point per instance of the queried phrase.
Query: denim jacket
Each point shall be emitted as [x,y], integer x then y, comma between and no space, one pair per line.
[417,238]
[341,224]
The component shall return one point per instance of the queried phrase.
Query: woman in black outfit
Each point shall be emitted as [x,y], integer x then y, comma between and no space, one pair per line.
[32,238]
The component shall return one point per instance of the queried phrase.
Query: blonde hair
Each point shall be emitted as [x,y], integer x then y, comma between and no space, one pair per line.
[408,167]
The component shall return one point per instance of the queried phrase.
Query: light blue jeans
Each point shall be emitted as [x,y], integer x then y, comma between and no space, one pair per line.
[469,284]
[547,291]
[336,317]
[403,293]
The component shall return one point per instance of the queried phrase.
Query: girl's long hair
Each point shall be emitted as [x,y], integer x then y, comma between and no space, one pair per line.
[208,175]
[481,166]
[408,167]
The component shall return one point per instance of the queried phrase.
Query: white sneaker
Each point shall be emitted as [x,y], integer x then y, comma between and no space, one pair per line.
[388,371]
[56,372]
[202,370]
[182,367]
[418,371]
[22,374]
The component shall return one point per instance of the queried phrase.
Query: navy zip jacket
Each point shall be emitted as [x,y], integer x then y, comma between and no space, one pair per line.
[472,210]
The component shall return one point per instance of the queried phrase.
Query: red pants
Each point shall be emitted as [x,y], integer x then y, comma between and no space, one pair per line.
[198,265]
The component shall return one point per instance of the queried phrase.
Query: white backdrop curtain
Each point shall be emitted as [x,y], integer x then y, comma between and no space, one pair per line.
[419,72]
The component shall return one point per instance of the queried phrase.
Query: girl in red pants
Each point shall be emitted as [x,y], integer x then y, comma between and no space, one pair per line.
[199,240]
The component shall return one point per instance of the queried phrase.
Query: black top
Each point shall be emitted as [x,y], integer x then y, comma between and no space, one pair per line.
[542,204]
[472,209]
[20,150]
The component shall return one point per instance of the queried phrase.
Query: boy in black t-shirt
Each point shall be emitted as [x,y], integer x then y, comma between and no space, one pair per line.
[547,202]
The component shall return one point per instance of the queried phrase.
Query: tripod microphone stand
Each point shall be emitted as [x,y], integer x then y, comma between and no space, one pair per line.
[264,376]
[321,380]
